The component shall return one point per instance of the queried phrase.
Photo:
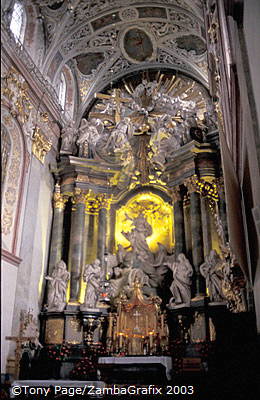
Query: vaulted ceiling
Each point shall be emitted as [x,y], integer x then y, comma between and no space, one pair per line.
[101,41]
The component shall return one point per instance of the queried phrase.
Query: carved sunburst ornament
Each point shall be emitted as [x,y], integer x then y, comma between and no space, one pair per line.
[146,121]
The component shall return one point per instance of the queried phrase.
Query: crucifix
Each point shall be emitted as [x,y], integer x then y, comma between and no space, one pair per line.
[136,314]
[117,100]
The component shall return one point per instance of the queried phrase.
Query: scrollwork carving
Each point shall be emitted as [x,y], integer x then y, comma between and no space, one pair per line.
[41,146]
[184,19]
[13,173]
[15,88]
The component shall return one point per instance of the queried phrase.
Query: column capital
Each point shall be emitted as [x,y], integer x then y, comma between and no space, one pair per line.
[191,184]
[219,182]
[175,194]
[79,196]
[92,205]
[59,199]
[104,200]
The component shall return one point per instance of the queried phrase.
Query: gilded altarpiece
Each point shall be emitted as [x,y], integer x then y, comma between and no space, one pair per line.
[144,222]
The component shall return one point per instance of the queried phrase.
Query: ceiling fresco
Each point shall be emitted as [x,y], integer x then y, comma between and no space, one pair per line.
[104,40]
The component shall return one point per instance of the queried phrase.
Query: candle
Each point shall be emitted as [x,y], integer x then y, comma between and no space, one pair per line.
[120,340]
[151,341]
[115,330]
[110,325]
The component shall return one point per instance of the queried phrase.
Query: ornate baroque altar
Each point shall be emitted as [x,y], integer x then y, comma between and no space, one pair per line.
[139,256]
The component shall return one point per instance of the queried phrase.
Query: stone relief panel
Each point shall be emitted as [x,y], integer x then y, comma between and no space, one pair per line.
[13,183]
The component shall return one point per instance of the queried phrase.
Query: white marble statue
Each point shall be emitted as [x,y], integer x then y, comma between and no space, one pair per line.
[57,287]
[181,285]
[137,237]
[88,134]
[119,281]
[118,139]
[211,270]
[84,135]
[92,276]
[68,137]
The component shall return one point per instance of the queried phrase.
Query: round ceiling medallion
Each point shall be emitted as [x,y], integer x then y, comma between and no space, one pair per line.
[138,45]
[128,14]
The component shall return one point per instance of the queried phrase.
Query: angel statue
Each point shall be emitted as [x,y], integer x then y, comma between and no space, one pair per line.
[92,276]
[181,285]
[211,270]
[57,287]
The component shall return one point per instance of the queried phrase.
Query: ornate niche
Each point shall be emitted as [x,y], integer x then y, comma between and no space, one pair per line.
[156,211]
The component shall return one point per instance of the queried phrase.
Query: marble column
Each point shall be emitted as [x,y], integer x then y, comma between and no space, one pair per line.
[206,225]
[196,234]
[112,228]
[91,235]
[76,242]
[187,226]
[57,227]
[179,231]
[102,228]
